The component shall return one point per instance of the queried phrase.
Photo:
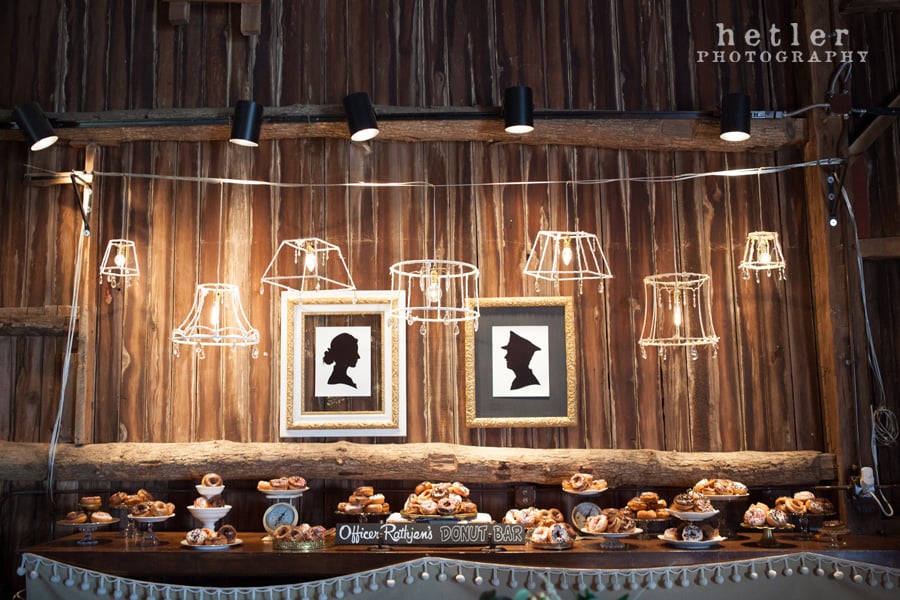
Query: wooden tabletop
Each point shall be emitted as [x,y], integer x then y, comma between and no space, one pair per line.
[255,562]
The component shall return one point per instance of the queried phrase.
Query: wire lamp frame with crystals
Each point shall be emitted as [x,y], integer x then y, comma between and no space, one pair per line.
[436,291]
[217,317]
[677,308]
[120,262]
[567,256]
[762,250]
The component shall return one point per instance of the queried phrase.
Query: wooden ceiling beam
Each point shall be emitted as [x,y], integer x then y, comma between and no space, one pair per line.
[693,132]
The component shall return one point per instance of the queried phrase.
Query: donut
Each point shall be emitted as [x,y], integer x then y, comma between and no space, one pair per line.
[580,481]
[646,514]
[804,495]
[650,498]
[376,498]
[701,485]
[446,506]
[201,502]
[467,506]
[557,515]
[211,480]
[526,518]
[819,506]
[215,540]
[264,486]
[374,509]
[117,499]
[596,523]
[76,516]
[598,484]
[703,505]
[425,485]
[738,488]
[636,504]
[100,516]
[159,508]
[458,488]
[692,533]
[361,500]
[425,495]
[365,490]
[683,502]
[296,483]
[144,495]
[795,506]
[279,483]
[217,501]
[439,490]
[141,510]
[559,534]
[90,502]
[541,535]
[755,516]
[195,537]
[429,507]
[722,487]
[354,509]
[776,518]
[282,532]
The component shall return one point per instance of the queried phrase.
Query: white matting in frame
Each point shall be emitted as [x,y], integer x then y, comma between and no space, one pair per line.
[343,365]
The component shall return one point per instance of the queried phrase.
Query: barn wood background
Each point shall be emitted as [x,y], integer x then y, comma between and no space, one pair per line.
[768,388]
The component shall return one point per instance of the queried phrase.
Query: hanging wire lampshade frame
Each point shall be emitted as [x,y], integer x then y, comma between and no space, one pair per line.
[762,252]
[306,265]
[216,318]
[437,291]
[567,256]
[120,263]
[677,313]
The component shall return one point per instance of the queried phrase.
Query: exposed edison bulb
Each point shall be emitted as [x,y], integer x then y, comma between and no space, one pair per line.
[214,312]
[120,258]
[676,312]
[567,252]
[310,261]
[434,288]
[765,257]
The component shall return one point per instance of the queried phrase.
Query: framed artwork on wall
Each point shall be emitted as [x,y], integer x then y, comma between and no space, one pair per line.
[520,363]
[343,365]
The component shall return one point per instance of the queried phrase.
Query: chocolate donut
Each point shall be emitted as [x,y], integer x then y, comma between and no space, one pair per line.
[228,532]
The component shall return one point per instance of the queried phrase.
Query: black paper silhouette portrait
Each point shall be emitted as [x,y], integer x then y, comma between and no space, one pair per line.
[521,366]
[518,359]
[343,353]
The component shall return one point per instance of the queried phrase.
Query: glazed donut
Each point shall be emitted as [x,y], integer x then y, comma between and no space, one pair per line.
[692,533]
[100,516]
[296,483]
[201,502]
[376,498]
[118,499]
[793,505]
[446,506]
[636,504]
[755,516]
[76,516]
[458,488]
[580,481]
[279,483]
[596,523]
[211,480]
[703,505]
[361,500]
[650,498]
[374,509]
[425,495]
[559,534]
[144,495]
[541,535]
[557,515]
[282,532]
[804,495]
[354,509]
[776,518]
[264,486]
[738,488]
[425,485]
[440,490]
[467,506]
[526,518]
[428,507]
[195,537]
[90,502]
[159,508]
[646,514]
[722,487]
[365,490]
[819,506]
[701,485]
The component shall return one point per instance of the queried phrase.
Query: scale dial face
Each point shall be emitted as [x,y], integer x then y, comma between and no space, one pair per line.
[280,513]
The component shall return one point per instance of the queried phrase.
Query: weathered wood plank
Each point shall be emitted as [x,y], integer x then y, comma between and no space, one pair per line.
[38,320]
[880,248]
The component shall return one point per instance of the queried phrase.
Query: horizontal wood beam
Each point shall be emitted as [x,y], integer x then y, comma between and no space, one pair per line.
[884,247]
[433,462]
[41,320]
[612,130]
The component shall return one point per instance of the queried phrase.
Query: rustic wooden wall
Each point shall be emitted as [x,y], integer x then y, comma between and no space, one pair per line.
[762,390]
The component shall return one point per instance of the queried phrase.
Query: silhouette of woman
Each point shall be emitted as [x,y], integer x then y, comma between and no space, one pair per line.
[518,356]
[343,354]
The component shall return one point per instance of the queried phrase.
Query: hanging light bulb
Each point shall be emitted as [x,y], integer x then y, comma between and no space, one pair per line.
[434,288]
[120,258]
[567,251]
[215,310]
[310,257]
[765,257]
[676,311]
[119,263]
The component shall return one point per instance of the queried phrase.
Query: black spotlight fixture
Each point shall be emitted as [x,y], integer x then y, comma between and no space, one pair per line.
[735,117]
[247,123]
[361,120]
[34,125]
[518,110]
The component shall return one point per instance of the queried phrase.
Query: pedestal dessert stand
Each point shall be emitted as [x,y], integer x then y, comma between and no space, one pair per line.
[209,516]
[767,539]
[150,538]
[723,504]
[87,529]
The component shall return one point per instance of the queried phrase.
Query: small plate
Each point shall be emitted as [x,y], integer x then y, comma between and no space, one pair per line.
[621,534]
[420,517]
[236,542]
[693,516]
[691,543]
[283,493]
[87,525]
[156,519]
[549,546]
[587,492]
[209,490]
[784,527]
[582,511]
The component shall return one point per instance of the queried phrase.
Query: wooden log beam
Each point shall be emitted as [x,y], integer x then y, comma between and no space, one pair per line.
[621,131]
[426,461]
[36,320]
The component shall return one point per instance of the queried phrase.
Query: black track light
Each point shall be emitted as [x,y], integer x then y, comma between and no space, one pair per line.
[34,125]
[735,124]
[518,109]
[247,123]
[361,120]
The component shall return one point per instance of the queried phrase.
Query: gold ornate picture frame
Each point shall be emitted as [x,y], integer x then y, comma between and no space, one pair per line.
[520,363]
[343,365]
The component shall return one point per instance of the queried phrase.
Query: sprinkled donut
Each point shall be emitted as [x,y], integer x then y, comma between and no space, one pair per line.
[692,533]
[195,537]
[559,534]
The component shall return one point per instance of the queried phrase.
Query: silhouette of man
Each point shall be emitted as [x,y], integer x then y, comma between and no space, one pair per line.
[518,357]
[343,354]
